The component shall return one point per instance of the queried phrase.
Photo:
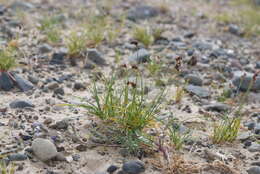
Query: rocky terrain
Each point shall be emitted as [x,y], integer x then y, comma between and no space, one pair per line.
[200,57]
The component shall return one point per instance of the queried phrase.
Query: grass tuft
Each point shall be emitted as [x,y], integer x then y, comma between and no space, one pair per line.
[7,58]
[143,35]
[226,130]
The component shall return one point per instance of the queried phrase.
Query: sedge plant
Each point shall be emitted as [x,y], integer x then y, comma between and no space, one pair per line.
[7,58]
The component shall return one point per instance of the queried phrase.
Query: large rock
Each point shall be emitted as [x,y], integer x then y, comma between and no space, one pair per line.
[140,56]
[44,149]
[6,82]
[20,104]
[133,167]
[22,84]
[142,12]
[193,79]
[197,90]
[243,81]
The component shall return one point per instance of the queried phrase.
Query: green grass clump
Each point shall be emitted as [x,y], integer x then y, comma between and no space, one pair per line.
[177,138]
[7,58]
[154,67]
[50,27]
[143,35]
[76,43]
[124,107]
[5,170]
[226,130]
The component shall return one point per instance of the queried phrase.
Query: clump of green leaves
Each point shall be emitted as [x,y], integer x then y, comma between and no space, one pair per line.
[143,35]
[154,67]
[226,130]
[76,43]
[7,58]
[5,170]
[50,27]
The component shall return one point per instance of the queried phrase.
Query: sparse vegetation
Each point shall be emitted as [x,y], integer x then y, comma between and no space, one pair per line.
[177,138]
[6,170]
[7,58]
[226,130]
[76,43]
[143,35]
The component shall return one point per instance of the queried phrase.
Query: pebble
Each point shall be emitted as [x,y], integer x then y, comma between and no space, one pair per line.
[96,57]
[17,157]
[44,149]
[23,84]
[133,167]
[193,79]
[217,107]
[6,82]
[243,82]
[254,170]
[111,169]
[255,147]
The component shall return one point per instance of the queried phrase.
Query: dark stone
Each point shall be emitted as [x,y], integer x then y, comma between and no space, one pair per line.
[63,124]
[23,84]
[17,157]
[202,46]
[234,29]
[189,34]
[59,91]
[79,86]
[19,5]
[142,12]
[20,104]
[58,58]
[6,82]
[218,107]
[199,91]
[45,48]
[96,57]
[81,148]
[257,65]
[133,167]
[190,52]
[112,169]
[194,79]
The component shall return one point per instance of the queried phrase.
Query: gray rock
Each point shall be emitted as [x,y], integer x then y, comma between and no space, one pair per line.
[63,124]
[254,170]
[96,57]
[53,85]
[23,84]
[44,149]
[255,147]
[193,79]
[242,81]
[199,91]
[79,86]
[17,157]
[257,129]
[202,46]
[234,29]
[21,104]
[257,65]
[111,169]
[19,5]
[45,48]
[142,12]
[140,56]
[59,91]
[33,79]
[133,167]
[218,107]
[58,58]
[6,82]
[244,136]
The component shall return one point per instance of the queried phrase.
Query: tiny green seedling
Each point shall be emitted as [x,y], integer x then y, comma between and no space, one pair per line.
[76,43]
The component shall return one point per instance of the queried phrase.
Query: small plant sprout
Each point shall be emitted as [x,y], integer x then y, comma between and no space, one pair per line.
[179,94]
[154,67]
[7,58]
[143,35]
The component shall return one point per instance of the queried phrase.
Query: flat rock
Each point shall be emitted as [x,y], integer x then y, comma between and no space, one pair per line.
[44,149]
[140,56]
[218,107]
[255,147]
[18,5]
[21,104]
[193,79]
[199,91]
[22,84]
